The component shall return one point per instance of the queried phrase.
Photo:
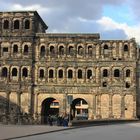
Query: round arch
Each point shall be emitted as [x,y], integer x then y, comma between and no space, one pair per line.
[79,108]
[49,106]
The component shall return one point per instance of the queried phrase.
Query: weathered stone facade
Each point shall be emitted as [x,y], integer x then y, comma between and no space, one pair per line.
[36,66]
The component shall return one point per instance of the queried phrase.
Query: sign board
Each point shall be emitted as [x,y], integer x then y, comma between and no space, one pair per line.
[69,99]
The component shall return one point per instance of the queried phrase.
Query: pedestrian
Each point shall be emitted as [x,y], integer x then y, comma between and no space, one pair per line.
[50,120]
[65,120]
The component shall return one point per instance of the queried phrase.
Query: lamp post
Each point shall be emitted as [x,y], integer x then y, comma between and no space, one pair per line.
[69,98]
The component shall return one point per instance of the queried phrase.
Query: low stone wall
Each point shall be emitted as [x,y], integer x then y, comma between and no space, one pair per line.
[17,119]
[101,122]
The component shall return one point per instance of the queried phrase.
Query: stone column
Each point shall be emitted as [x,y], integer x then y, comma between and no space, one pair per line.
[75,74]
[19,107]
[120,50]
[98,99]
[110,106]
[8,102]
[122,106]
[98,75]
[65,74]
[131,50]
[64,102]
[94,106]
[36,115]
[36,103]
[55,79]
[7,106]
[134,106]
[98,51]
[84,74]
[90,108]
[19,101]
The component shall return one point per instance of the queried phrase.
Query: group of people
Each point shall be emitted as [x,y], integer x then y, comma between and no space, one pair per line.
[61,120]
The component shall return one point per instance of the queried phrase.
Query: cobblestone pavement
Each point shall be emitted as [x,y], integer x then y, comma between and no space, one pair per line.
[12,131]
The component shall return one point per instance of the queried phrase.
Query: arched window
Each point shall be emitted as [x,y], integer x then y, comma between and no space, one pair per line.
[4,72]
[42,51]
[90,51]
[125,48]
[61,50]
[80,50]
[27,24]
[15,48]
[70,74]
[25,72]
[127,85]
[106,47]
[71,49]
[16,24]
[60,74]
[116,73]
[41,73]
[6,24]
[106,51]
[105,73]
[104,84]
[25,50]
[51,74]
[128,73]
[80,74]
[89,74]
[52,52]
[14,72]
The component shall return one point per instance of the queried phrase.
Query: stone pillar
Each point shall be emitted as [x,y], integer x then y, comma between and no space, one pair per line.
[7,107]
[120,50]
[98,75]
[75,74]
[122,106]
[84,74]
[90,108]
[64,102]
[94,106]
[36,115]
[55,75]
[134,106]
[98,51]
[30,100]
[98,99]
[19,107]
[131,50]
[8,102]
[18,102]
[65,74]
[110,106]
[36,103]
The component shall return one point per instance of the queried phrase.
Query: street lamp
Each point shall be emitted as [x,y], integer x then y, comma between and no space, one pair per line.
[69,99]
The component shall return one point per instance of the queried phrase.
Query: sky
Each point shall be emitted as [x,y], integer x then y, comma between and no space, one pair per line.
[113,19]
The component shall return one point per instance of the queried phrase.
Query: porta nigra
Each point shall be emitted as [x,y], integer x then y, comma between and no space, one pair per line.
[40,70]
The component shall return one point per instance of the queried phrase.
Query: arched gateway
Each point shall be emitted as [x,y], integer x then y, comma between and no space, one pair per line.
[79,108]
[50,106]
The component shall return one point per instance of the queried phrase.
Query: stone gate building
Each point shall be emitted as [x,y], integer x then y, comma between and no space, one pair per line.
[39,70]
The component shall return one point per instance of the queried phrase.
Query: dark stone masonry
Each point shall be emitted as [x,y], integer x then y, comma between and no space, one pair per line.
[40,71]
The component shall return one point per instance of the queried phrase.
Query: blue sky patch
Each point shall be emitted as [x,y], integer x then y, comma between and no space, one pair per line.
[121,14]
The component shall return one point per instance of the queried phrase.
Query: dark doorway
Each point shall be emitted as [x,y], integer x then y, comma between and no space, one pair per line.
[79,109]
[50,106]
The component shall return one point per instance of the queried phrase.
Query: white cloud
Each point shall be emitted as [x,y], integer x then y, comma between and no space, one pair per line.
[109,24]
[35,7]
[77,16]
